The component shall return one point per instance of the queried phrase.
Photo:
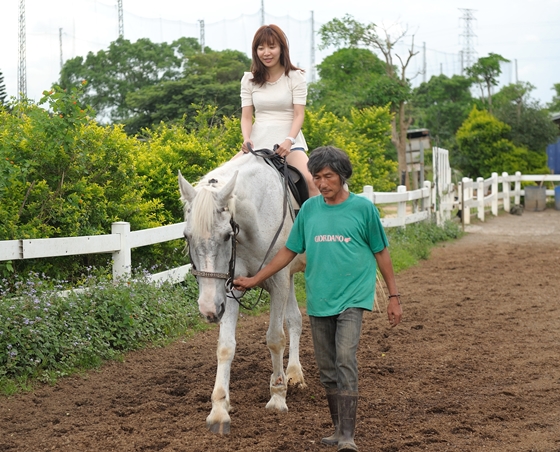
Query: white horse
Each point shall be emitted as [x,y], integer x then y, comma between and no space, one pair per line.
[248,194]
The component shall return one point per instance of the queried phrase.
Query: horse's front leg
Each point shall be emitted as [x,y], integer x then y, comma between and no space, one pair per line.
[276,342]
[218,421]
[294,371]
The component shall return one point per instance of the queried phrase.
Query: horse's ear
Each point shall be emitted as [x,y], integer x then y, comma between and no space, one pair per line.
[225,192]
[188,193]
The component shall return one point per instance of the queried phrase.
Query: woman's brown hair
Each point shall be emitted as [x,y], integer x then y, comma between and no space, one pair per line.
[270,34]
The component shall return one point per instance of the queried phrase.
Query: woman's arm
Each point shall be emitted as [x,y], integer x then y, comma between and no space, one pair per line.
[297,123]
[246,126]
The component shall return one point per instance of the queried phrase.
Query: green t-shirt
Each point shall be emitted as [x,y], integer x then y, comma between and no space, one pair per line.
[340,241]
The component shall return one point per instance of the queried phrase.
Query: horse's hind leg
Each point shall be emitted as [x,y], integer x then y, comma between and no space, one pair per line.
[218,421]
[294,371]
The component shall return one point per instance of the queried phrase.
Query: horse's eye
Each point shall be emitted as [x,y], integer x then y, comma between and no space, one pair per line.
[227,237]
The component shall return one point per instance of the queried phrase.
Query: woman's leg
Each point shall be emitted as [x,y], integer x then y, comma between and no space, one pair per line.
[298,159]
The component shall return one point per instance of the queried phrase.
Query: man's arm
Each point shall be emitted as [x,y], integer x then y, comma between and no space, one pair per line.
[282,258]
[394,308]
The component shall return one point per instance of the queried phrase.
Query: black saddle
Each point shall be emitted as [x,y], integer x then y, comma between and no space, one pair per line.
[296,181]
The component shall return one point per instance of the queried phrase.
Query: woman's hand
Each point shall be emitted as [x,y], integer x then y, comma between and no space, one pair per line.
[284,148]
[245,147]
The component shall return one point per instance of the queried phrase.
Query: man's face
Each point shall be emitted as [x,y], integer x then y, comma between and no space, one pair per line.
[329,185]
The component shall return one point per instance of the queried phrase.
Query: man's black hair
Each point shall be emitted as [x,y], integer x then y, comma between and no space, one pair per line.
[332,157]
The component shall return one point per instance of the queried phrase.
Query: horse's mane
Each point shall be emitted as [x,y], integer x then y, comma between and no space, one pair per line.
[204,205]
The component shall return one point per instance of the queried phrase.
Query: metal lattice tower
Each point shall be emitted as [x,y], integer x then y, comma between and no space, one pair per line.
[468,53]
[202,35]
[22,72]
[121,20]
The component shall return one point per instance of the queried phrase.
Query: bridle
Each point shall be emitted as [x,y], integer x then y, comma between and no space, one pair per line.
[266,154]
[231,266]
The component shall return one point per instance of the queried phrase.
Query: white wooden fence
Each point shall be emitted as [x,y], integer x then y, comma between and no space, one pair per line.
[121,241]
[411,206]
[482,193]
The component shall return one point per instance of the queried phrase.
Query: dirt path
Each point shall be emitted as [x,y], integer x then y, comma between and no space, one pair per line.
[474,366]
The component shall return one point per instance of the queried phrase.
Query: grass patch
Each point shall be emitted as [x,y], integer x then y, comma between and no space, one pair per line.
[413,243]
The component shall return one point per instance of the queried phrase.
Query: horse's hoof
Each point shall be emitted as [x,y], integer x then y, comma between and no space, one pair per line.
[277,404]
[219,428]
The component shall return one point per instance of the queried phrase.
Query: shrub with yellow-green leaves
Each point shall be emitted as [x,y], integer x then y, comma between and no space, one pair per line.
[168,149]
[364,136]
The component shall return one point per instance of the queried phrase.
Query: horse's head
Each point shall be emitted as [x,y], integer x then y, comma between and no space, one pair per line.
[209,236]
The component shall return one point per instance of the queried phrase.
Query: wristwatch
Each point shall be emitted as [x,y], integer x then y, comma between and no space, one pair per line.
[292,140]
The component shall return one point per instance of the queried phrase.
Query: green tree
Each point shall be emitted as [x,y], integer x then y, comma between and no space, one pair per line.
[347,79]
[530,124]
[554,105]
[3,93]
[485,72]
[124,68]
[350,33]
[210,78]
[485,147]
[441,105]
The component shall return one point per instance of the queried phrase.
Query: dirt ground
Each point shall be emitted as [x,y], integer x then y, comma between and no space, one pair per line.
[474,366]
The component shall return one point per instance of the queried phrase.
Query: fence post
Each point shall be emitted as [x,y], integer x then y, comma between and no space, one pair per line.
[122,260]
[467,196]
[480,198]
[495,194]
[427,201]
[517,188]
[401,208]
[506,189]
[368,193]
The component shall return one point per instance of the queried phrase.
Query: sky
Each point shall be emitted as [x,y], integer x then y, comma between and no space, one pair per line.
[523,31]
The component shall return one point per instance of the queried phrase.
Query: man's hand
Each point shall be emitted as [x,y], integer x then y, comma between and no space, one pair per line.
[394,311]
[244,283]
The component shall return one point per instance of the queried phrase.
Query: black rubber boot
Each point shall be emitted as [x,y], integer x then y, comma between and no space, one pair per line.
[332,399]
[347,407]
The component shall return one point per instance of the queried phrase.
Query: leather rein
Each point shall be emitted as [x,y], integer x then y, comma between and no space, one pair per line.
[265,154]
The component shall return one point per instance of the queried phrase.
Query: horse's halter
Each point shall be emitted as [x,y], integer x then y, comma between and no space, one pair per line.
[231,267]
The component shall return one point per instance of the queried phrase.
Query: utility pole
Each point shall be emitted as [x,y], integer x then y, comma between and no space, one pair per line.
[60,44]
[424,62]
[312,47]
[22,71]
[202,35]
[262,12]
[468,37]
[121,19]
